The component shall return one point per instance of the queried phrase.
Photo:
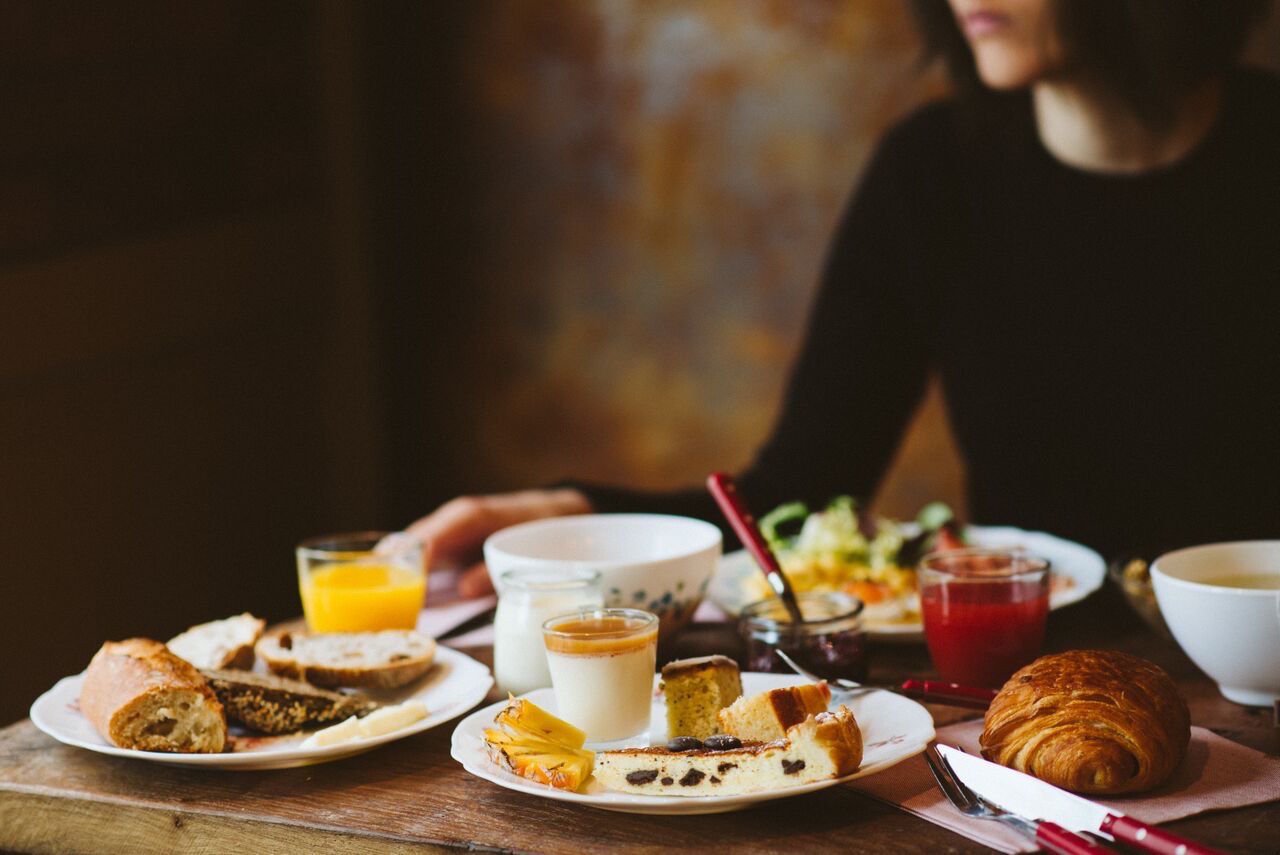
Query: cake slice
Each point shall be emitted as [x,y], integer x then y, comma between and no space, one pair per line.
[823,746]
[766,716]
[374,660]
[696,691]
[220,643]
[272,704]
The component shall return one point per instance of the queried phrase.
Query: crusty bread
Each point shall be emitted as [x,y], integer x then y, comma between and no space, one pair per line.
[140,695]
[768,715]
[274,704]
[221,643]
[373,660]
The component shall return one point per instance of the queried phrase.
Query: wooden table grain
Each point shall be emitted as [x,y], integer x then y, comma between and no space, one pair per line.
[410,795]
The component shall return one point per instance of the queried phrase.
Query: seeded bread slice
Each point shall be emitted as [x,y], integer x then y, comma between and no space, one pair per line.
[221,643]
[372,660]
[272,704]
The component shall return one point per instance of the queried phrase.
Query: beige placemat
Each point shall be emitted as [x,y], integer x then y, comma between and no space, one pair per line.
[1216,774]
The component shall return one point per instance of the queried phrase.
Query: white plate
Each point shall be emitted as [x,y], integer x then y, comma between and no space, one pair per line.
[893,729]
[455,684]
[731,591]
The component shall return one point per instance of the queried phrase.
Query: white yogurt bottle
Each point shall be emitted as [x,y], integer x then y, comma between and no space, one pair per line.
[602,665]
[526,600]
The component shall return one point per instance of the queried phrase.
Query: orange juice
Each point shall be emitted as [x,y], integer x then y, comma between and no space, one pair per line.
[362,597]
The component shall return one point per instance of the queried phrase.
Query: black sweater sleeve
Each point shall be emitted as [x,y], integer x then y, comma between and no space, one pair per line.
[865,359]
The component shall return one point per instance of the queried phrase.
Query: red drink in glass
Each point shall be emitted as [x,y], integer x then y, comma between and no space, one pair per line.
[984,613]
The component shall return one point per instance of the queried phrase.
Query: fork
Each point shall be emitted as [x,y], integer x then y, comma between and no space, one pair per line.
[1051,836]
[951,694]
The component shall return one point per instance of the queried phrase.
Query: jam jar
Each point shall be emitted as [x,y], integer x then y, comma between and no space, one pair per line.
[831,642]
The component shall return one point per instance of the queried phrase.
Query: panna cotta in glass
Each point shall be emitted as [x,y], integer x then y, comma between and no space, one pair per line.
[602,663]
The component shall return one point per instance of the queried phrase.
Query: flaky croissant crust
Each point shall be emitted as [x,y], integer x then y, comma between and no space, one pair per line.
[1098,722]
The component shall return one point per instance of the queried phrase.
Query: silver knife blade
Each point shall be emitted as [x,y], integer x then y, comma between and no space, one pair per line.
[1024,795]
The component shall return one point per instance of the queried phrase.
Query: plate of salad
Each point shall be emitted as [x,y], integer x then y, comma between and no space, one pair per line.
[841,548]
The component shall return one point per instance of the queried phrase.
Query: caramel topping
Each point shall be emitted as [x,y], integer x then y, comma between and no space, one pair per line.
[599,636]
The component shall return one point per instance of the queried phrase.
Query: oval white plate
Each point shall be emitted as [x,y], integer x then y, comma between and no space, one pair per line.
[729,588]
[893,729]
[455,684]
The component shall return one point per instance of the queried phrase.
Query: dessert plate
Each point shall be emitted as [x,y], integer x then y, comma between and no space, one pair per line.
[893,729]
[1078,572]
[455,684]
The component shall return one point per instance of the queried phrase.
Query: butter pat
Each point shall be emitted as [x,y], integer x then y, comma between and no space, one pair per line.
[341,732]
[387,719]
[377,723]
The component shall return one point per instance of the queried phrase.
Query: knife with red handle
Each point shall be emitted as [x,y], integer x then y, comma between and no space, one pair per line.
[952,694]
[1029,796]
[1148,838]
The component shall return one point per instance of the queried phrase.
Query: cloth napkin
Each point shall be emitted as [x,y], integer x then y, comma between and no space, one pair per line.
[436,620]
[1216,774]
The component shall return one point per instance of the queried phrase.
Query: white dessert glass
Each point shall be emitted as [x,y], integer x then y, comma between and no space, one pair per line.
[527,599]
[602,664]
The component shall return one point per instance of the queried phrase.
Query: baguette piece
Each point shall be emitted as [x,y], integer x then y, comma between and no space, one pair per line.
[138,694]
[272,704]
[218,644]
[372,660]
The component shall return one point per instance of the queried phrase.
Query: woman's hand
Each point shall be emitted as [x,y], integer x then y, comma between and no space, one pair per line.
[455,532]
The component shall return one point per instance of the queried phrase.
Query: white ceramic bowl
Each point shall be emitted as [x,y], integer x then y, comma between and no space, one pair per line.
[1232,634]
[658,563]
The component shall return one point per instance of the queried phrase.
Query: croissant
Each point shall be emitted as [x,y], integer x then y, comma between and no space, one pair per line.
[1092,721]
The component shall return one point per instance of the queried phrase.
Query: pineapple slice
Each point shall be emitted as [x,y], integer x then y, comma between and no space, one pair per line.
[525,716]
[536,745]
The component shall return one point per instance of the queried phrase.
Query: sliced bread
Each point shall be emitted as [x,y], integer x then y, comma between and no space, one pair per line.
[373,660]
[221,643]
[273,704]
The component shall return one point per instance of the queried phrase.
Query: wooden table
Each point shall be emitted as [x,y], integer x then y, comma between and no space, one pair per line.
[411,794]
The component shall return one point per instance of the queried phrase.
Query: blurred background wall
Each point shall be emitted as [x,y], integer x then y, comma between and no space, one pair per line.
[274,270]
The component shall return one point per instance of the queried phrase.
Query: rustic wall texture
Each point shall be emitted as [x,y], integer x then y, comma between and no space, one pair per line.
[659,181]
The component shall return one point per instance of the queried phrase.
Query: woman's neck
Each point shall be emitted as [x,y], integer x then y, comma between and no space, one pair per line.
[1094,132]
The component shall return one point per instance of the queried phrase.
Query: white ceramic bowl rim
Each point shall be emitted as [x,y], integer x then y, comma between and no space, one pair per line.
[1190,552]
[705,536]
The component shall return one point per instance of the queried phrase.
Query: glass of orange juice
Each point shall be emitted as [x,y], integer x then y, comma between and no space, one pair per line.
[361,582]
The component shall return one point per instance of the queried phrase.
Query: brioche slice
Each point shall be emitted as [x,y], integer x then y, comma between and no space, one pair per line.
[768,715]
[372,660]
[272,704]
[138,694]
[823,746]
[220,643]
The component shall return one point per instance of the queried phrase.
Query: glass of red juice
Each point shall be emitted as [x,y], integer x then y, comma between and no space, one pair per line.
[984,612]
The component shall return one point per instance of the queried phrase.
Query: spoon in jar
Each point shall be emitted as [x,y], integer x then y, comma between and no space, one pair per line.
[929,691]
[726,494]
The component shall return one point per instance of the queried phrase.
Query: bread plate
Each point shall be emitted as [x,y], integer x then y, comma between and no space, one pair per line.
[894,728]
[1078,569]
[455,684]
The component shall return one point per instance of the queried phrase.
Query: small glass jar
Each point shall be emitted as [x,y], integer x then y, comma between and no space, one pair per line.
[831,642]
[526,600]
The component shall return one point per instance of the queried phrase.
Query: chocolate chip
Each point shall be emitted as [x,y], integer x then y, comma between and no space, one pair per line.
[714,779]
[644,776]
[790,767]
[666,782]
[725,767]
[722,742]
[692,777]
[684,743]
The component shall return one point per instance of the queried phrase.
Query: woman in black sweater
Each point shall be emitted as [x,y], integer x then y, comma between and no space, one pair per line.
[1085,245]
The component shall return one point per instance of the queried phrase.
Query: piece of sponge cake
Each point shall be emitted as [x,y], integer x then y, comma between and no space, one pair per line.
[696,690]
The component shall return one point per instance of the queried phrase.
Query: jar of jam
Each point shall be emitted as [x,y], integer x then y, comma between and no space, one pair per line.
[830,642]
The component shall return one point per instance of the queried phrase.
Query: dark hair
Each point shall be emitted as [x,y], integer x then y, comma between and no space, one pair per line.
[1149,52]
